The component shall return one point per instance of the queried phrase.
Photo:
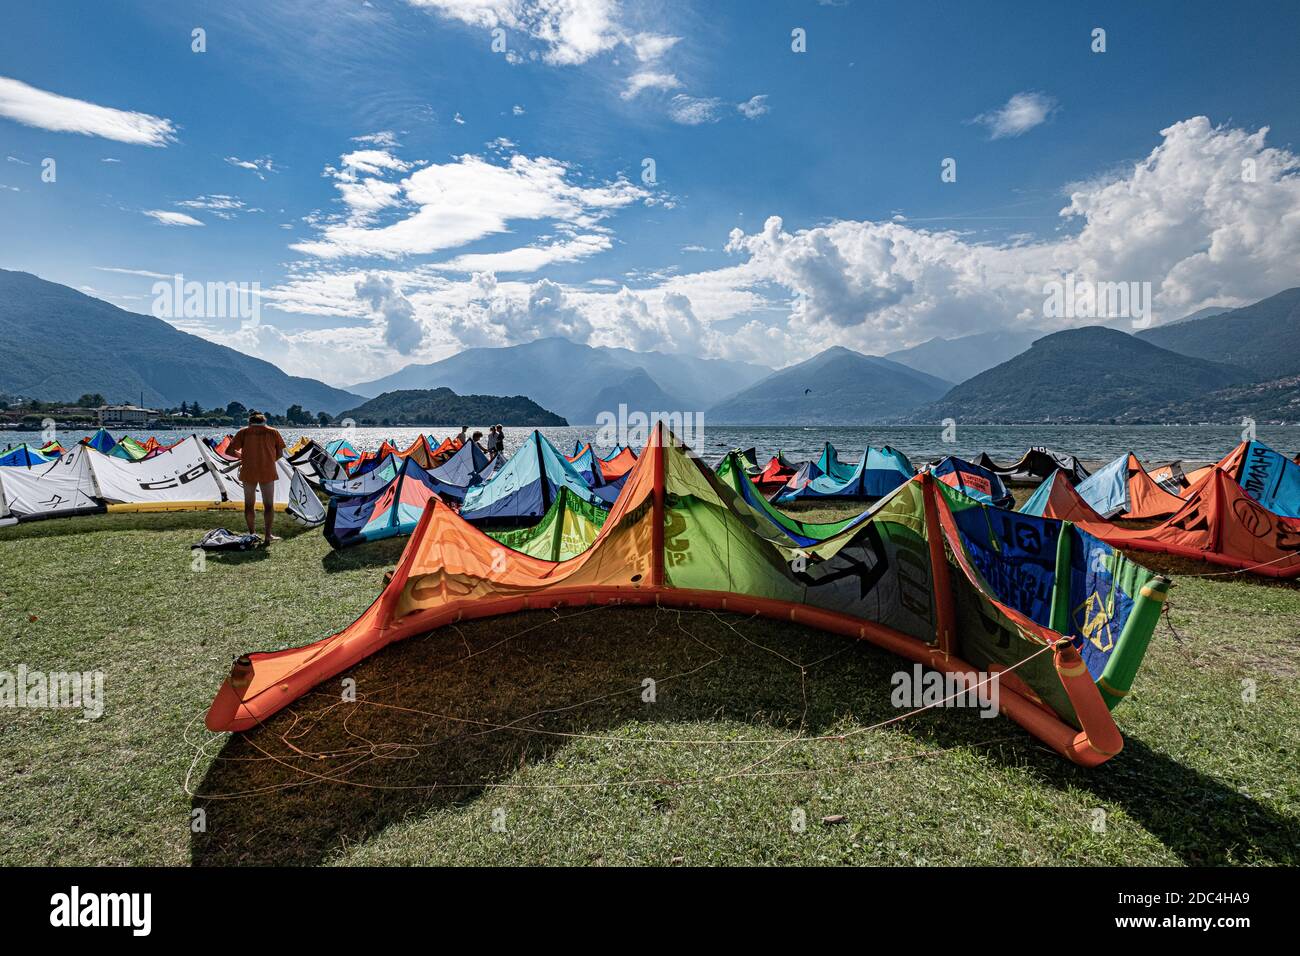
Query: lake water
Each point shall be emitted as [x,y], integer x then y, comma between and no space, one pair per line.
[1005,443]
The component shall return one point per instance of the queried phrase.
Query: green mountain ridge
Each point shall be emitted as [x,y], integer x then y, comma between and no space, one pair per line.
[1091,374]
[1263,338]
[442,406]
[61,343]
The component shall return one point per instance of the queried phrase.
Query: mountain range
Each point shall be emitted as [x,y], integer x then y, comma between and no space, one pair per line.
[1264,337]
[1092,374]
[580,381]
[835,387]
[60,343]
[956,360]
[1215,364]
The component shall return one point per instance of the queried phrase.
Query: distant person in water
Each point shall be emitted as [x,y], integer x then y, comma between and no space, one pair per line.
[259,447]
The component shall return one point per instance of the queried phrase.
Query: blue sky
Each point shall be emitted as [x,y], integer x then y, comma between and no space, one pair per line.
[400,191]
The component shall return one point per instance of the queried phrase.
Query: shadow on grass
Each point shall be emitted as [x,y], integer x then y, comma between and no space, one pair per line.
[371,554]
[325,774]
[285,526]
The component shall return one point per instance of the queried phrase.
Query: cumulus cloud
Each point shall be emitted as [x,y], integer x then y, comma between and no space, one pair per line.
[402,330]
[1018,115]
[1211,216]
[63,114]
[572,31]
[450,204]
[496,315]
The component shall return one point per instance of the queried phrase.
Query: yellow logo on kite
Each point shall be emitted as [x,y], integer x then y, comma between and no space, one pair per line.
[1094,622]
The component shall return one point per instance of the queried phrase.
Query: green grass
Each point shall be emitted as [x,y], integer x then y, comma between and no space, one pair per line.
[537,721]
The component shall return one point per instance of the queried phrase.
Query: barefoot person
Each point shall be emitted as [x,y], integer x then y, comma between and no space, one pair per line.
[259,447]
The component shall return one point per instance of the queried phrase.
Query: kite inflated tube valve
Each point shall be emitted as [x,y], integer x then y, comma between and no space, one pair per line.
[1100,738]
[241,674]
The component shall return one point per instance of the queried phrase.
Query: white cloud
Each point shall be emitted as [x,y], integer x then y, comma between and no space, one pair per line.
[1183,218]
[456,203]
[651,46]
[220,205]
[1018,115]
[649,80]
[529,258]
[368,162]
[134,272]
[403,332]
[259,167]
[63,114]
[573,31]
[15,159]
[169,218]
[458,120]
[694,110]
[386,139]
[517,110]
[496,315]
[754,107]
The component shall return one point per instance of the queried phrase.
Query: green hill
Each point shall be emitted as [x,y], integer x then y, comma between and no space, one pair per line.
[1091,374]
[1263,338]
[60,343]
[1275,402]
[442,406]
[835,387]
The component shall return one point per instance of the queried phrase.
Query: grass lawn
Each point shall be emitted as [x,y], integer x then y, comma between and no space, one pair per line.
[526,739]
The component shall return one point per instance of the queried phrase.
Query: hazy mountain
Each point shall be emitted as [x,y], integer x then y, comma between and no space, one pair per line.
[956,360]
[1093,374]
[638,391]
[566,376]
[836,387]
[61,344]
[1264,337]
[1198,314]
[442,406]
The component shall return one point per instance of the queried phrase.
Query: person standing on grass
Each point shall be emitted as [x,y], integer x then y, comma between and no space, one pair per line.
[259,447]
